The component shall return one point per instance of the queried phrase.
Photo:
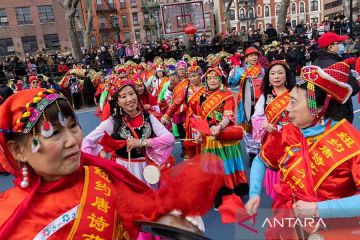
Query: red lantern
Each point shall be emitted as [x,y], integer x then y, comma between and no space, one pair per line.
[190,30]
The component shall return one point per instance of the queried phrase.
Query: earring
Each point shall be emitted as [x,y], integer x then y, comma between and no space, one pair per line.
[61,118]
[25,181]
[46,129]
[115,111]
[322,122]
[35,143]
[120,111]
[269,84]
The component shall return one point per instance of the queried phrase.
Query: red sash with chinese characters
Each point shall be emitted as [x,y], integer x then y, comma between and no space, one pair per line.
[336,146]
[96,217]
[253,72]
[278,105]
[180,87]
[213,101]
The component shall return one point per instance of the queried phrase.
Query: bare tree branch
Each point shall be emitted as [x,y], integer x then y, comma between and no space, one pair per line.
[281,23]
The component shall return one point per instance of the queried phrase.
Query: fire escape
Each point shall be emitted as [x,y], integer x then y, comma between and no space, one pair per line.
[152,21]
[108,27]
[249,15]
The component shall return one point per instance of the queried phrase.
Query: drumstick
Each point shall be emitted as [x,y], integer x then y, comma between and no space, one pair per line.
[129,159]
[188,139]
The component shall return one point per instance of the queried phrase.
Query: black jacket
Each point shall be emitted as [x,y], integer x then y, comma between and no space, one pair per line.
[325,59]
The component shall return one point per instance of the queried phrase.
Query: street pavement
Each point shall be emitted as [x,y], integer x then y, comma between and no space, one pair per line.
[214,228]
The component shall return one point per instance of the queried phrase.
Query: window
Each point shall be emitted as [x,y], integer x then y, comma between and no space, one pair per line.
[267,11]
[277,9]
[293,8]
[6,47]
[23,15]
[293,23]
[135,18]
[259,11]
[314,5]
[93,41]
[146,17]
[148,35]
[302,7]
[98,2]
[133,3]
[333,4]
[122,4]
[232,15]
[116,37]
[125,21]
[102,22]
[260,26]
[46,14]
[207,20]
[105,39]
[127,36]
[137,36]
[52,42]
[29,44]
[115,21]
[251,13]
[314,20]
[4,21]
[242,14]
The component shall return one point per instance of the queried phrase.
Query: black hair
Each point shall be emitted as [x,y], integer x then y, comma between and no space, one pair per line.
[114,106]
[5,92]
[266,89]
[118,114]
[334,108]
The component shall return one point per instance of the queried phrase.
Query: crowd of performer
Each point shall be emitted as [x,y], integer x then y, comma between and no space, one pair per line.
[298,135]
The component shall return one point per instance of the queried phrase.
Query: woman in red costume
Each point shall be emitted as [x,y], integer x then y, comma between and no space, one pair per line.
[189,96]
[270,110]
[62,193]
[216,109]
[148,101]
[318,156]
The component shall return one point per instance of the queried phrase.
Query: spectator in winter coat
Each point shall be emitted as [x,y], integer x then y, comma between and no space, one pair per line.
[329,44]
[62,68]
[129,53]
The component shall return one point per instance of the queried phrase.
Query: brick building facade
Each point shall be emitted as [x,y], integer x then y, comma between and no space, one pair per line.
[258,14]
[27,26]
[133,20]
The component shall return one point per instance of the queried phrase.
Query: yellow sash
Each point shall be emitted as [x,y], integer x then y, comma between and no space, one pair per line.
[276,107]
[336,146]
[196,95]
[213,101]
[162,83]
[253,71]
[96,215]
[180,87]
